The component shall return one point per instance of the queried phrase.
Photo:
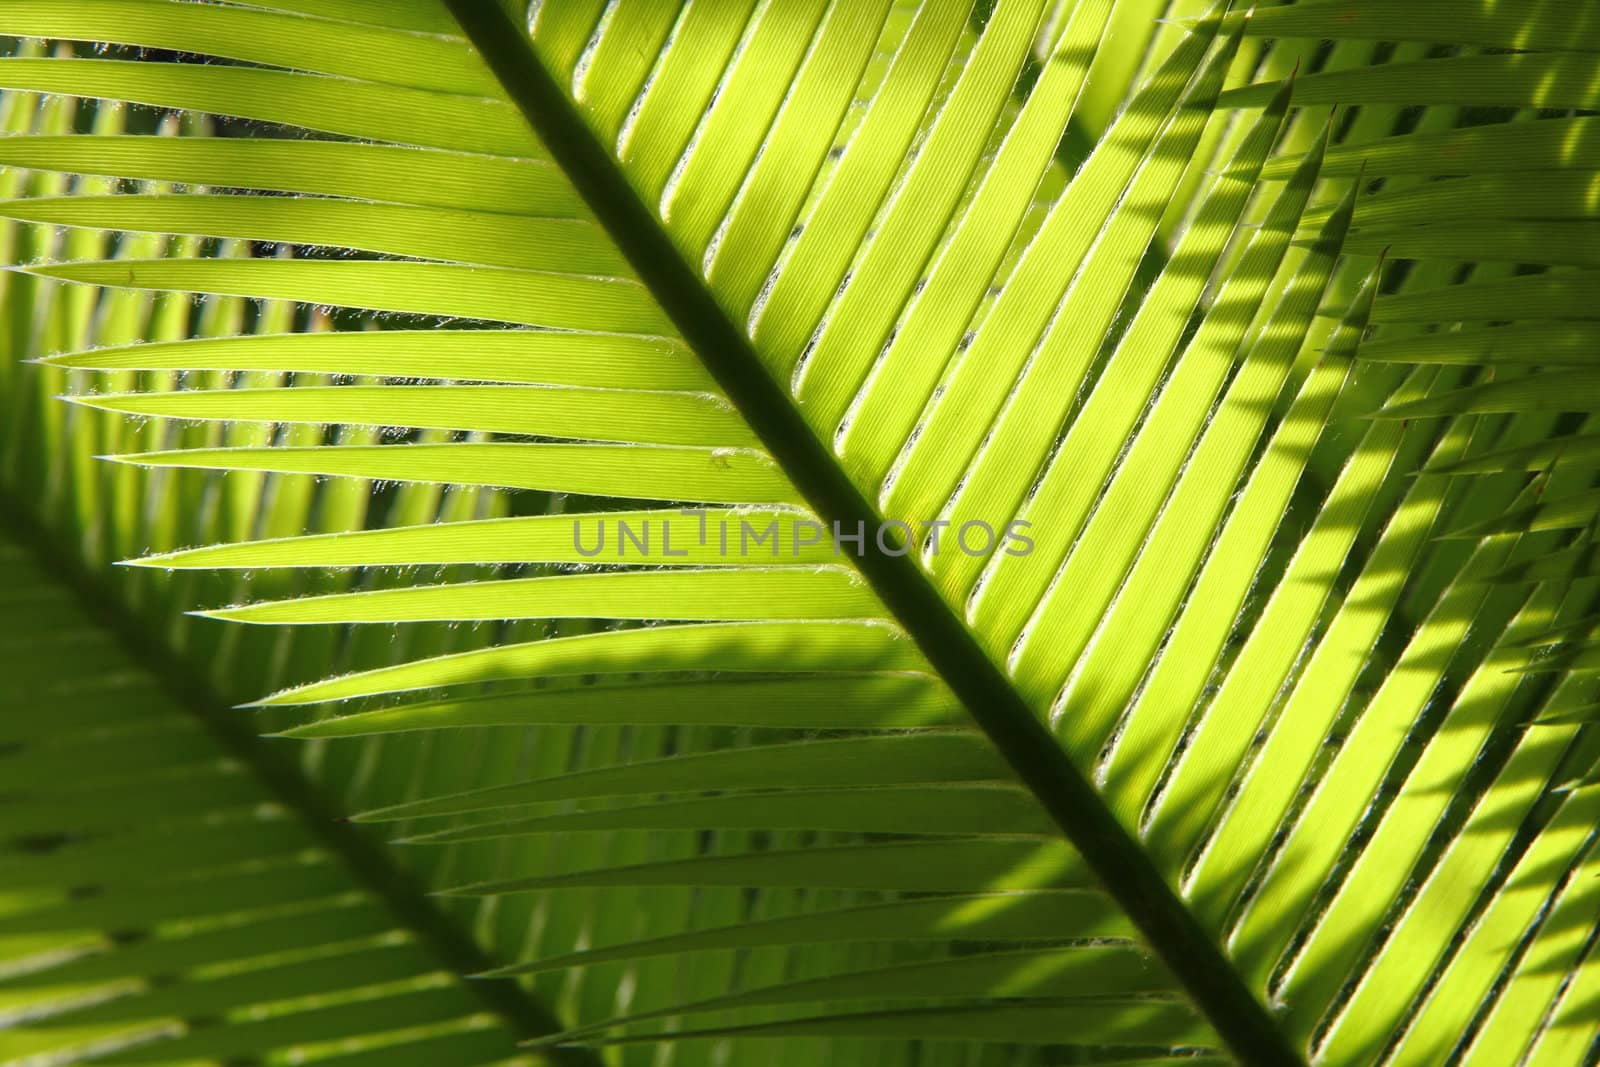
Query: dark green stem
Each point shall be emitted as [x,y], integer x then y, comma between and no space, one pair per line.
[370,865]
[1022,739]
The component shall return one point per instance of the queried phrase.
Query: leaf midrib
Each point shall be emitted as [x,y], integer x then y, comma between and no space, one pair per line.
[371,867]
[1026,744]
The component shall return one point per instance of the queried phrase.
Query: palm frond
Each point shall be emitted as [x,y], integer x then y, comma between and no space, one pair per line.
[1212,745]
[173,893]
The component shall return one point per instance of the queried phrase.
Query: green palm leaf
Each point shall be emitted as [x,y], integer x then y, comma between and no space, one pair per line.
[1100,676]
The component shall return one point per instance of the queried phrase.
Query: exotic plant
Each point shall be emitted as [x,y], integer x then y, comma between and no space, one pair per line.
[791,532]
